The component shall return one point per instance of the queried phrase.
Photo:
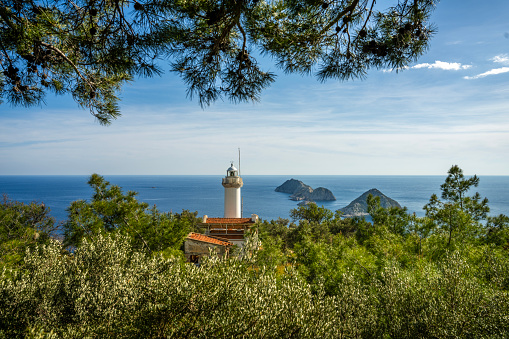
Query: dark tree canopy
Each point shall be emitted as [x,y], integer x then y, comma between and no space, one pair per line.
[90,48]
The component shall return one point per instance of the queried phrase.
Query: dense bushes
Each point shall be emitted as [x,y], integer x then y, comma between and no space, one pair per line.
[108,289]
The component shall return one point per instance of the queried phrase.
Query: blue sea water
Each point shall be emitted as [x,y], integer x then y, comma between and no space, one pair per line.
[205,194]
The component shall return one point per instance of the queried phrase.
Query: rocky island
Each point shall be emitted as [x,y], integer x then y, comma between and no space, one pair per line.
[301,192]
[359,207]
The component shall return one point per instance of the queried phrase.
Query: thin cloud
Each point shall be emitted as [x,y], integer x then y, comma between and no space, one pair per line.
[447,66]
[501,59]
[34,142]
[494,71]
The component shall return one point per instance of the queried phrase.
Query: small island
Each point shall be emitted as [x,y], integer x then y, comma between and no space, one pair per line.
[301,192]
[359,207]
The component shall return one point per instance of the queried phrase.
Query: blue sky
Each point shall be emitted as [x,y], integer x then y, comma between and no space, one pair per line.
[450,107]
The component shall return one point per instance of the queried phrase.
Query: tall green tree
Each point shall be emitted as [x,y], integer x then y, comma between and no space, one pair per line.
[112,211]
[90,48]
[456,186]
[458,215]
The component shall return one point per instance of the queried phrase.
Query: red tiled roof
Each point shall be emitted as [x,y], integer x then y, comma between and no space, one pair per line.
[228,236]
[228,220]
[211,240]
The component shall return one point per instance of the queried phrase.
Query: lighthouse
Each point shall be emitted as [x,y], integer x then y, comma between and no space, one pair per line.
[232,227]
[232,184]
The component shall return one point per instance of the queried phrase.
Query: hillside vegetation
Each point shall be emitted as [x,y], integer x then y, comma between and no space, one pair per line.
[119,272]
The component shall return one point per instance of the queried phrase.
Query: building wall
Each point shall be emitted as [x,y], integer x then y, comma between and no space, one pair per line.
[232,206]
[197,249]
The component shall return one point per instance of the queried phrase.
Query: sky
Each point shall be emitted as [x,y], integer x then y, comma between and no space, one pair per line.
[449,107]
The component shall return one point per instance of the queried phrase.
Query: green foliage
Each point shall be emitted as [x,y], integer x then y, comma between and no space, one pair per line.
[498,231]
[395,218]
[320,224]
[311,213]
[106,288]
[112,211]
[90,49]
[325,264]
[345,226]
[22,226]
[442,300]
[459,215]
[272,253]
[456,186]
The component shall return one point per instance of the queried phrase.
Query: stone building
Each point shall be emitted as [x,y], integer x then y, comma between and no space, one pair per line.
[198,245]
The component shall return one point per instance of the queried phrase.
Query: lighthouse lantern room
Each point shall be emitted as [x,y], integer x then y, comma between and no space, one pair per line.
[232,184]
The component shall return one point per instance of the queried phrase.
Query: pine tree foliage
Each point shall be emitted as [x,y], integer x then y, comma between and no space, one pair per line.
[112,211]
[91,48]
[458,215]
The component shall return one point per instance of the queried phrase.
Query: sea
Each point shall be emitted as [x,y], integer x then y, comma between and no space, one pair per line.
[205,194]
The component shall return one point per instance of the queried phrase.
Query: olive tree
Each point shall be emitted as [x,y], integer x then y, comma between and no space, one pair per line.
[108,289]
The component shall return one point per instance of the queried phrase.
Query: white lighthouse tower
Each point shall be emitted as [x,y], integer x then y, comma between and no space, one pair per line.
[232,184]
